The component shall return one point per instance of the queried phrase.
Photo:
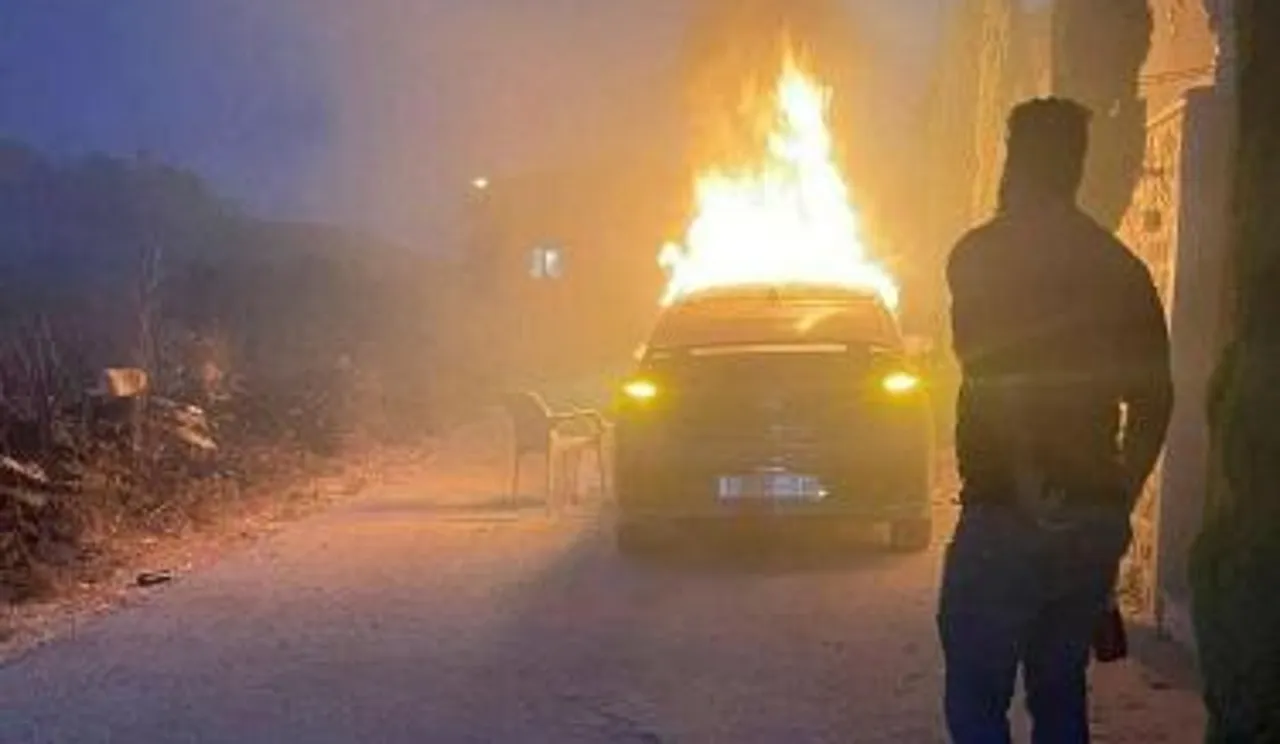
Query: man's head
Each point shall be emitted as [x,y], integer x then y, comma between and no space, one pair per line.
[1048,140]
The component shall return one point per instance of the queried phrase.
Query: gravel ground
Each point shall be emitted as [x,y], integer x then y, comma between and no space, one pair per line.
[427,612]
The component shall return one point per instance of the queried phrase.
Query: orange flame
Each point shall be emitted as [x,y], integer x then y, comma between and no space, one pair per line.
[785,219]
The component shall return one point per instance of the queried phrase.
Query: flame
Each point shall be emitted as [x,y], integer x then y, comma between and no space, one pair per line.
[786,218]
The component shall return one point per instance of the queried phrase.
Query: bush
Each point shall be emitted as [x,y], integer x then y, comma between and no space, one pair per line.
[293,340]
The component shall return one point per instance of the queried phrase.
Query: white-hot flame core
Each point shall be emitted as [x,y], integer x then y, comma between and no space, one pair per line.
[786,220]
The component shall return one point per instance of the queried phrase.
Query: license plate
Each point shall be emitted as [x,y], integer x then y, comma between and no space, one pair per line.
[772,487]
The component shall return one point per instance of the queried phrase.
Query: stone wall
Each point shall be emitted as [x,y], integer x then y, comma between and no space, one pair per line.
[1150,229]
[1177,225]
[1196,320]
[1182,53]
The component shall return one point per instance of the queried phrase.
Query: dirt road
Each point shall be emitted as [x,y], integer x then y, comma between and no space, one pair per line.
[421,614]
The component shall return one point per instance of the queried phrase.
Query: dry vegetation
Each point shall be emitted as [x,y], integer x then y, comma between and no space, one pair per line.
[268,350]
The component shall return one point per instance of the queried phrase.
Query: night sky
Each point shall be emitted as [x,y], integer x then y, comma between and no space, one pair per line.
[375,112]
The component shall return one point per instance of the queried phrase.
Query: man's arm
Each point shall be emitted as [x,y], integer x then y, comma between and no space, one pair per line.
[1148,382]
[963,284]
[970,334]
[961,343]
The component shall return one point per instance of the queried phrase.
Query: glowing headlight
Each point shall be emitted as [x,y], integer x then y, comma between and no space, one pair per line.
[640,390]
[900,383]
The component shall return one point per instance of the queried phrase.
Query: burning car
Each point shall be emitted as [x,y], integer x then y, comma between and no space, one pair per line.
[774,405]
[776,386]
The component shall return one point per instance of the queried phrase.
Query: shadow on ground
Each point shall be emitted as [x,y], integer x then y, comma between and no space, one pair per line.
[761,555]
[723,639]
[495,506]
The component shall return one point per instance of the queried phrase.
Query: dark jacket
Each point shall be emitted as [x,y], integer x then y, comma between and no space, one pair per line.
[1064,354]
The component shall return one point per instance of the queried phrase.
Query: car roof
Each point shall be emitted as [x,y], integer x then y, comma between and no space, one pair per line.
[795,293]
[785,314]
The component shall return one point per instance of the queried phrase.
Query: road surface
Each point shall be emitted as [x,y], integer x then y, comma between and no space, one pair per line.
[417,614]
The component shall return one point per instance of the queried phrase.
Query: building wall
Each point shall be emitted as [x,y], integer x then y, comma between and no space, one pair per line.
[1181,84]
[1182,53]
[1177,226]
[1198,285]
[1152,230]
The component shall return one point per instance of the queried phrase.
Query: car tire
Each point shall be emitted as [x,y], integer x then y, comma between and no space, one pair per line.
[911,535]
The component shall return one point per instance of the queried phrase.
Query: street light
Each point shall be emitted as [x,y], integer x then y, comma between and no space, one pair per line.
[480,184]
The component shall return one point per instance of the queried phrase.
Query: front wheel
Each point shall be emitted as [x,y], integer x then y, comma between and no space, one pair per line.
[911,535]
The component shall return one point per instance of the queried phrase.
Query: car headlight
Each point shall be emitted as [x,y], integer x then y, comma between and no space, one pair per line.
[641,390]
[900,383]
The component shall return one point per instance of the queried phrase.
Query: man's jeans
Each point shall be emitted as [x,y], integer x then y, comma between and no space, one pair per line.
[1017,594]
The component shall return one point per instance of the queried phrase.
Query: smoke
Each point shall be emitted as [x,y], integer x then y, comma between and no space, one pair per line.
[380,112]
[431,94]
[734,54]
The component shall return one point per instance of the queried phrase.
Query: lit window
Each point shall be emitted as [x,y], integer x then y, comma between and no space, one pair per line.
[547,262]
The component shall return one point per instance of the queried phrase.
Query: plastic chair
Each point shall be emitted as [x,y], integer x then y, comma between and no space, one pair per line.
[536,431]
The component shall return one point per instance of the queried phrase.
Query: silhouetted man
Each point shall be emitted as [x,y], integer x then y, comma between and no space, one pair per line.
[1063,408]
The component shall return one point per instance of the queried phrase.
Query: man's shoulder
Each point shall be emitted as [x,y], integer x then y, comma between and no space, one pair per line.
[978,236]
[1090,230]
[992,243]
[974,245]
[1110,255]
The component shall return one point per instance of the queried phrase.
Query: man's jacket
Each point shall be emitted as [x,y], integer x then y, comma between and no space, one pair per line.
[1064,352]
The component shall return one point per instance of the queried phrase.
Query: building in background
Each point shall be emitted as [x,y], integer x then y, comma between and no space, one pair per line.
[563,277]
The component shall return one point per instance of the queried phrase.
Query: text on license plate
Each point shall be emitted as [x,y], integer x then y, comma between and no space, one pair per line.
[777,486]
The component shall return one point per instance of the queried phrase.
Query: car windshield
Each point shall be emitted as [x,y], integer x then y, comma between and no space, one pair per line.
[775,323]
